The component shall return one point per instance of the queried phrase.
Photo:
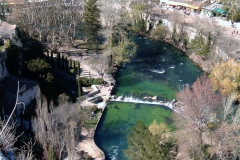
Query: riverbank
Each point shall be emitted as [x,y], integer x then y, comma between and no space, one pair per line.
[146,68]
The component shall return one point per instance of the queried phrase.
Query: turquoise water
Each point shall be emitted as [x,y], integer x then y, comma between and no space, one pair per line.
[143,76]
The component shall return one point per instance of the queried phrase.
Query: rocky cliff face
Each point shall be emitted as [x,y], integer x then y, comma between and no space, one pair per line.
[221,50]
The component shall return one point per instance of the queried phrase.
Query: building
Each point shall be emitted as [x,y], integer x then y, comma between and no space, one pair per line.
[192,6]
[213,8]
[28,90]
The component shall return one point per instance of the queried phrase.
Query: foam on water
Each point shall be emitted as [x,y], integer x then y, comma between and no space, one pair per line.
[132,99]
[157,71]
[114,152]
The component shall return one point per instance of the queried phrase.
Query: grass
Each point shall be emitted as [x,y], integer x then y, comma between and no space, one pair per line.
[91,121]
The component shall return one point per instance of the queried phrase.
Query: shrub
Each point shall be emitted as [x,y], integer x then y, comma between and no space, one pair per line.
[90,81]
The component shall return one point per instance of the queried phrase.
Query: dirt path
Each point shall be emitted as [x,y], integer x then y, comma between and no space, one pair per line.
[88,145]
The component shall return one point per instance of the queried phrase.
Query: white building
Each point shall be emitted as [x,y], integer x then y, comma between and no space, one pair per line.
[28,90]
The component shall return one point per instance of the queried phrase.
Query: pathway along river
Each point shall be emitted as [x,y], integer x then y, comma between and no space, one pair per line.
[157,70]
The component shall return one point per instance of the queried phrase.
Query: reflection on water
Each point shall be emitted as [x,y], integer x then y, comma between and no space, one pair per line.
[158,70]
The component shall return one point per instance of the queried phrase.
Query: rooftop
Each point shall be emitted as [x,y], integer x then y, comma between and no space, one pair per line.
[10,83]
[212,6]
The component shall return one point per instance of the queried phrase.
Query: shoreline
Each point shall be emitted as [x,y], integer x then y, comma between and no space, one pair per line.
[170,104]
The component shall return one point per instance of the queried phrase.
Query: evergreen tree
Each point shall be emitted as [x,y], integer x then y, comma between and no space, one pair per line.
[12,60]
[62,59]
[79,88]
[70,64]
[74,67]
[91,18]
[48,54]
[78,68]
[58,60]
[52,58]
[66,64]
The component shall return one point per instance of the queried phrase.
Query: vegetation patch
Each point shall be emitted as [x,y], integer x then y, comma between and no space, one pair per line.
[85,82]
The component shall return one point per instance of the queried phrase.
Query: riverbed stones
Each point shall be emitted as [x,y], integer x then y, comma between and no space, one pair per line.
[154,98]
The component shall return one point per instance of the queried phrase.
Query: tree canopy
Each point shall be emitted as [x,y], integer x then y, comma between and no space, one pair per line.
[142,144]
[123,50]
[91,18]
[225,76]
[40,68]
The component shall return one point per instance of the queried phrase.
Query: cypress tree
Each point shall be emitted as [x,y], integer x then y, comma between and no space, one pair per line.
[91,18]
[62,59]
[58,60]
[52,58]
[79,87]
[70,64]
[74,67]
[47,54]
[78,68]
[66,64]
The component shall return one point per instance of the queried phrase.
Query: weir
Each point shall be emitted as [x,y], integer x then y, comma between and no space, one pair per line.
[158,70]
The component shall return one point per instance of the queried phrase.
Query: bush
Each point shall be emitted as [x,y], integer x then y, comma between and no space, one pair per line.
[90,81]
[94,109]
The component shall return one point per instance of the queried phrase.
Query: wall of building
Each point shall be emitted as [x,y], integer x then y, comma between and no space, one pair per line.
[25,97]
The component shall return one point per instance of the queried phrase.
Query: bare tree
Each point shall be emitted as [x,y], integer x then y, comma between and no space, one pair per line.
[56,129]
[51,22]
[226,139]
[8,138]
[200,100]
[26,152]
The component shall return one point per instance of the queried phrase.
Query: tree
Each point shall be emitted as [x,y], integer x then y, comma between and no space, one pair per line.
[58,60]
[56,131]
[8,136]
[66,64]
[109,12]
[41,69]
[225,76]
[79,68]
[62,62]
[142,144]
[200,100]
[70,64]
[12,60]
[79,88]
[4,10]
[138,23]
[74,67]
[159,32]
[91,18]
[226,139]
[123,49]
[155,128]
[52,24]
[52,62]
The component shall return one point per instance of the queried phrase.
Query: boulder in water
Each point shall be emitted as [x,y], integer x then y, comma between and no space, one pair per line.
[154,98]
[146,97]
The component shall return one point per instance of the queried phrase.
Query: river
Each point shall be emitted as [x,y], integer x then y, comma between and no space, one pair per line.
[157,70]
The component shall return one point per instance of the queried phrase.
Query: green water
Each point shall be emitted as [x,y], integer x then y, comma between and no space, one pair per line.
[139,78]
